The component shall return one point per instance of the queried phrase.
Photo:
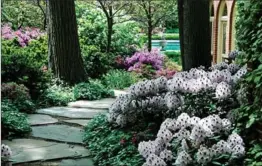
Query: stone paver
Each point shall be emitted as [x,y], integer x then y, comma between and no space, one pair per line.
[63,133]
[77,162]
[71,112]
[38,119]
[28,150]
[119,92]
[96,104]
[80,122]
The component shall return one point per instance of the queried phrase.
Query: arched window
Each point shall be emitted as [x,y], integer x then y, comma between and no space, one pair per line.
[212,25]
[222,31]
[224,24]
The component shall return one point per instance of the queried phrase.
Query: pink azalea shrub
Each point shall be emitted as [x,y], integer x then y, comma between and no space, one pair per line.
[145,62]
[168,73]
[23,35]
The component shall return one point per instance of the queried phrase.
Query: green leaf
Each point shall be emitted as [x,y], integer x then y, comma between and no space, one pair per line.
[252,119]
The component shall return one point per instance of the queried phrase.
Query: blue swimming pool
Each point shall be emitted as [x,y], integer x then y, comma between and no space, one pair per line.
[170,45]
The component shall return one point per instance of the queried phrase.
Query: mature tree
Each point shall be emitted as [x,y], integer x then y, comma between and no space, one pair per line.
[115,12]
[64,51]
[150,13]
[194,33]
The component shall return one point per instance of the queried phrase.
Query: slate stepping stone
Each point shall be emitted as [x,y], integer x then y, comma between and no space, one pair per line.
[77,162]
[79,122]
[68,112]
[96,104]
[119,92]
[29,150]
[38,119]
[61,133]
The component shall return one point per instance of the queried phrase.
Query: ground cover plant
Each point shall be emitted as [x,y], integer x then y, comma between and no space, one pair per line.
[93,90]
[58,93]
[116,146]
[119,79]
[14,123]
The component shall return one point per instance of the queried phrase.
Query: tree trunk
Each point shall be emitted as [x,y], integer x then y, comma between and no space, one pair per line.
[149,35]
[109,34]
[64,50]
[196,34]
[181,34]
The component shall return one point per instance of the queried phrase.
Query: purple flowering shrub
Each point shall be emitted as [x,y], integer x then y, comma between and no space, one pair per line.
[23,35]
[145,63]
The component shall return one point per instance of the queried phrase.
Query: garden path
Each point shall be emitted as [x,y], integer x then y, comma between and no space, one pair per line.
[56,138]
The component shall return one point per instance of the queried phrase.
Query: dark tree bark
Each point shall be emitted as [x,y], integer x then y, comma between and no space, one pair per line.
[110,23]
[180,24]
[109,35]
[149,35]
[195,33]
[65,58]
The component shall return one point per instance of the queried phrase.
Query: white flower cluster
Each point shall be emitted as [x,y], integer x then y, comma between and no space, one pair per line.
[6,151]
[196,80]
[161,94]
[233,54]
[195,131]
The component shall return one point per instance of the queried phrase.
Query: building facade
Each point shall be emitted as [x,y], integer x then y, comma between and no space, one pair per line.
[222,21]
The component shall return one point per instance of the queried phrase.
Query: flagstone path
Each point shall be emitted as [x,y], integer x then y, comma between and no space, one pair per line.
[56,138]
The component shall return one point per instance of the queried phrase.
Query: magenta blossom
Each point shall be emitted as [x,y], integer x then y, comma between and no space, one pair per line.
[153,58]
[23,35]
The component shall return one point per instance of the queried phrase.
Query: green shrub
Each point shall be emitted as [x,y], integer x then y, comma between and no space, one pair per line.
[119,79]
[57,94]
[24,65]
[17,95]
[93,90]
[14,123]
[174,55]
[8,106]
[124,40]
[249,114]
[96,63]
[111,146]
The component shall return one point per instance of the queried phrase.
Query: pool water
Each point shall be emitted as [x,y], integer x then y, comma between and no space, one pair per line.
[170,45]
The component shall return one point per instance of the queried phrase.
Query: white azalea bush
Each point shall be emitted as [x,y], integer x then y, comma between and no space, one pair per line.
[6,153]
[198,92]
[193,141]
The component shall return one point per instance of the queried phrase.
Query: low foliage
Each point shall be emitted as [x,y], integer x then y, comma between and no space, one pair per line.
[119,79]
[111,146]
[174,55]
[57,94]
[17,95]
[14,123]
[93,90]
